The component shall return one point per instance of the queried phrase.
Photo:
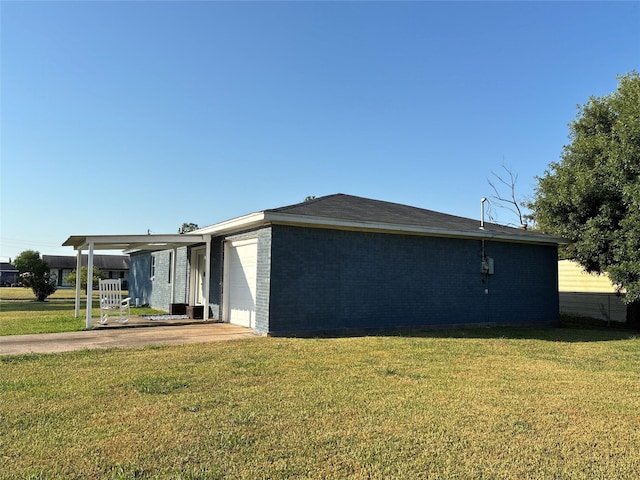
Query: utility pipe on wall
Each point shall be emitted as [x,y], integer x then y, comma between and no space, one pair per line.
[482,200]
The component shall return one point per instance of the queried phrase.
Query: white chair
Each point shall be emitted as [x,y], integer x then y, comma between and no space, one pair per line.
[111,301]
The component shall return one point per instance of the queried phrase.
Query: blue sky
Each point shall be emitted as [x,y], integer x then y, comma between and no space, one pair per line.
[123,117]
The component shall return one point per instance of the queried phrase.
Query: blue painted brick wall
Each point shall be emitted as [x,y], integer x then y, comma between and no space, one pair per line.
[181,276]
[161,288]
[156,291]
[325,280]
[139,281]
[263,287]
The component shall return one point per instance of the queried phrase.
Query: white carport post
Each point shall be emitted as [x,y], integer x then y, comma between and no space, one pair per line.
[207,277]
[89,285]
[78,282]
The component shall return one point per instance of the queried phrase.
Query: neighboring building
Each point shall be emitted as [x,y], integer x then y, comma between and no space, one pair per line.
[590,295]
[341,263]
[112,266]
[8,275]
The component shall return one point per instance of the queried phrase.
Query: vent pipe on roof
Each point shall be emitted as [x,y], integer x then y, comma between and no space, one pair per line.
[482,200]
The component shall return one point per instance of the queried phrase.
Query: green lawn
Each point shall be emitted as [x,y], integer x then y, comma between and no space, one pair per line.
[474,404]
[21,293]
[20,313]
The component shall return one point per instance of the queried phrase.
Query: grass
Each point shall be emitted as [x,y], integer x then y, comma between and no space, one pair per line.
[21,314]
[473,404]
[21,293]
[554,403]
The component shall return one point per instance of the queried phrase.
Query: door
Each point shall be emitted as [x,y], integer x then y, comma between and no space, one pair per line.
[198,259]
[240,281]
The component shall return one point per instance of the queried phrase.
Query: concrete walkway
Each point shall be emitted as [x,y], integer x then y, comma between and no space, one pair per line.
[122,337]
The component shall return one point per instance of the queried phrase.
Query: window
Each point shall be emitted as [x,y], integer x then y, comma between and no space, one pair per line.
[152,269]
[170,267]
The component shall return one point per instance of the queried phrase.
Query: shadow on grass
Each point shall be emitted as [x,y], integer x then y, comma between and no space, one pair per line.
[561,333]
[569,329]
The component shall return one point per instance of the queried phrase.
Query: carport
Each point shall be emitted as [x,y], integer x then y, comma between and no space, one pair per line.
[154,242]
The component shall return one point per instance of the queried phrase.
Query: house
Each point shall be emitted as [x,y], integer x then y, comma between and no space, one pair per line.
[590,295]
[342,263]
[8,275]
[112,266]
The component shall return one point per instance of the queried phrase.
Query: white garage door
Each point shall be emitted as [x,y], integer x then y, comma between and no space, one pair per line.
[240,282]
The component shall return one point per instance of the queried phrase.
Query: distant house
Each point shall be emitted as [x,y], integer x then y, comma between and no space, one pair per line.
[8,274]
[113,266]
[588,295]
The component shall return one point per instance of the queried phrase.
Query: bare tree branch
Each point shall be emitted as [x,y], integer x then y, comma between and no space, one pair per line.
[508,201]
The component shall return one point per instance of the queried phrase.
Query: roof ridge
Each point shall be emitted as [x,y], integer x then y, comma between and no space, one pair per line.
[381,202]
[310,201]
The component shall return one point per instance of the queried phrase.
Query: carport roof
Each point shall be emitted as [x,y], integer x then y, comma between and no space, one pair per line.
[132,242]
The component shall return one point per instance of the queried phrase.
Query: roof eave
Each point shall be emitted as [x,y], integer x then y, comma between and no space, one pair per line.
[246,222]
[320,222]
[259,219]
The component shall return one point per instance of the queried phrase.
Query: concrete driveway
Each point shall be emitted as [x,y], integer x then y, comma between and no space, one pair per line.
[121,337]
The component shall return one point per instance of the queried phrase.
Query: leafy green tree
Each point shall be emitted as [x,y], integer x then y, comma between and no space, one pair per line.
[34,273]
[592,195]
[188,227]
[84,272]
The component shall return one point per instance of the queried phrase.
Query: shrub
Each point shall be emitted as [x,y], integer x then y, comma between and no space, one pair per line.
[34,273]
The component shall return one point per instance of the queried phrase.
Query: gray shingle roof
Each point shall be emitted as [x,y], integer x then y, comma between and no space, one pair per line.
[7,267]
[352,208]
